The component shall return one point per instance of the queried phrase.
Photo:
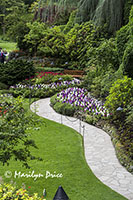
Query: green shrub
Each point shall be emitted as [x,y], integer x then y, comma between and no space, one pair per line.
[127,60]
[3,86]
[15,71]
[64,108]
[89,119]
[120,94]
[53,100]
[122,37]
[96,86]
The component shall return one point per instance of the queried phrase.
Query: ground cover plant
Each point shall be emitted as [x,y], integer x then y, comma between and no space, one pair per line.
[61,150]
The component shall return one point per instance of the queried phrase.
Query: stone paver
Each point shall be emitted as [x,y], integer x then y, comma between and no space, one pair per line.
[99,151]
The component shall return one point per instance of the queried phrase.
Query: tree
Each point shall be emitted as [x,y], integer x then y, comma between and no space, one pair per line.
[102,11]
[15,125]
[9,7]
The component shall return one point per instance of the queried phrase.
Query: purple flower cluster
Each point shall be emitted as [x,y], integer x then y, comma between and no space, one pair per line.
[80,98]
[42,86]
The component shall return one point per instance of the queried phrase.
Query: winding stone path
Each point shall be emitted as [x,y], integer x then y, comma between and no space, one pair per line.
[99,151]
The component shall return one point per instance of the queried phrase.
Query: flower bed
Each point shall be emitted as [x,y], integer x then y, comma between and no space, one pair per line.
[79,97]
[41,90]
[42,74]
[8,191]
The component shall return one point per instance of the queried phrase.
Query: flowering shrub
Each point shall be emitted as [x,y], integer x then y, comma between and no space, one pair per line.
[8,192]
[79,98]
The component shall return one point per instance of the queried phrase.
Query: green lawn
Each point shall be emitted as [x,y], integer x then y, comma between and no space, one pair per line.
[8,46]
[62,151]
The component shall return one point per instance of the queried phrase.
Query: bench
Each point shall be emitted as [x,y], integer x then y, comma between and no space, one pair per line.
[74,73]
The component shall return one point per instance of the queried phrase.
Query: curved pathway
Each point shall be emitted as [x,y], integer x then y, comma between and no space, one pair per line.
[99,151]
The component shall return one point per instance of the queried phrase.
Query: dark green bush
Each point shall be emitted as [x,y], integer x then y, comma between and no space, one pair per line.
[64,108]
[3,86]
[15,71]
[122,37]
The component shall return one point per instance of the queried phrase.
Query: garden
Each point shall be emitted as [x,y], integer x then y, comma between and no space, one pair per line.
[40,49]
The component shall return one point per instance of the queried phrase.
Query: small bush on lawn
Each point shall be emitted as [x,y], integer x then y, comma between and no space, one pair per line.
[8,191]
[15,71]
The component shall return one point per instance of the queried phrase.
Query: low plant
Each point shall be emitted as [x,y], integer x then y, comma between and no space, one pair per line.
[9,191]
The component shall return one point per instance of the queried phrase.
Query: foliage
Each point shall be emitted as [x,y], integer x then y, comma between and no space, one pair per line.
[3,86]
[127,9]
[79,40]
[8,191]
[54,11]
[90,119]
[8,12]
[120,94]
[64,108]
[127,60]
[122,37]
[36,32]
[100,85]
[14,131]
[100,11]
[53,44]
[125,46]
[15,71]
[103,57]
[70,22]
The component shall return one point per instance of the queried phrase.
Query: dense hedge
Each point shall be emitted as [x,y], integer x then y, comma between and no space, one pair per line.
[15,71]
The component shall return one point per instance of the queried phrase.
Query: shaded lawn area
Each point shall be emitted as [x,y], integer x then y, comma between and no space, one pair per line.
[62,151]
[9,46]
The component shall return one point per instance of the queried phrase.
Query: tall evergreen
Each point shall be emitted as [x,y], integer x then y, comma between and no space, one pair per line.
[102,11]
[110,12]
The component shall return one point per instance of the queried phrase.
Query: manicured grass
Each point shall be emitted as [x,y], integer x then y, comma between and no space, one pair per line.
[8,46]
[62,151]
